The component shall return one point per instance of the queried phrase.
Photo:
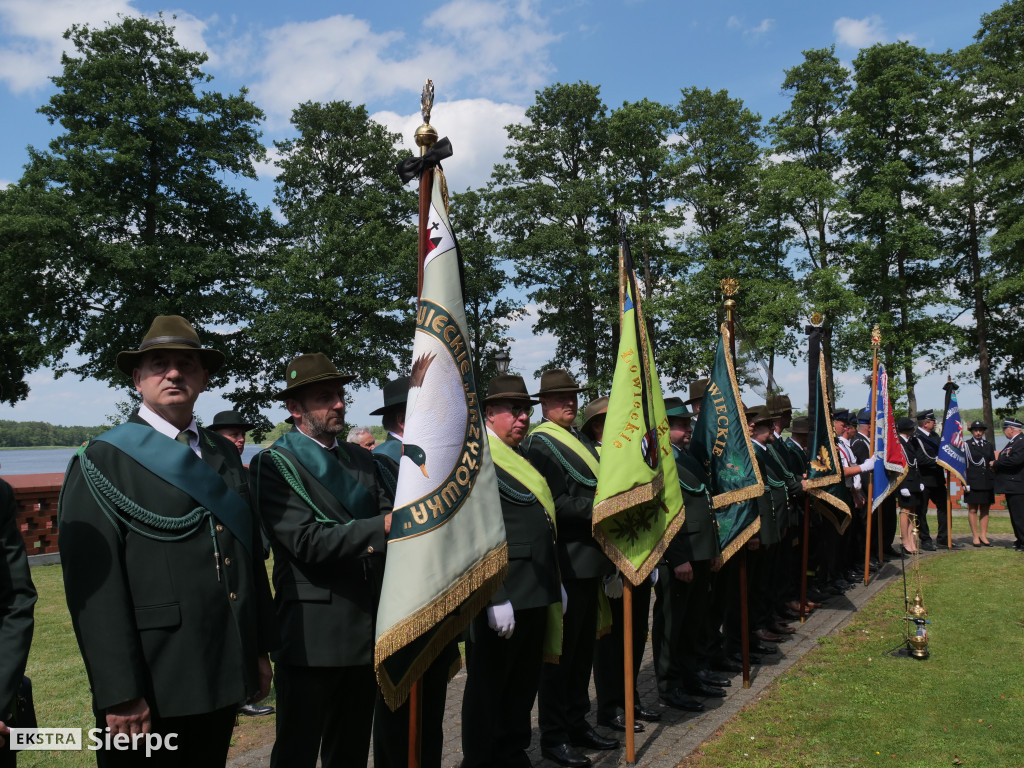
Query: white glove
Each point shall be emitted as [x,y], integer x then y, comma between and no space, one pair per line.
[967,489]
[922,486]
[654,577]
[502,619]
[613,586]
[905,492]
[565,599]
[868,464]
[856,482]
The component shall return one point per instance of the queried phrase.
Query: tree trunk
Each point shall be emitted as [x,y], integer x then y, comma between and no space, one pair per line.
[980,309]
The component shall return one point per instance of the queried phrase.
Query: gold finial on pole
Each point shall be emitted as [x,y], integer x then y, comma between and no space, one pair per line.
[730,286]
[817,319]
[876,337]
[426,134]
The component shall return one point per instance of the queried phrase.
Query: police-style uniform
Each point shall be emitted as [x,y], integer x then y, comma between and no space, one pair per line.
[1009,479]
[980,454]
[934,479]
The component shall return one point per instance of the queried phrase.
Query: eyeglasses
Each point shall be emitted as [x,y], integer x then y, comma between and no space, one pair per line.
[519,410]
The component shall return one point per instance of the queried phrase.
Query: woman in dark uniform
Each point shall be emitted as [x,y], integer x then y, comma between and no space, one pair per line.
[979,490]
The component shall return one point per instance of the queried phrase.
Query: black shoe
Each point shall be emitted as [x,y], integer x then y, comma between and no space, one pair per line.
[255,710]
[593,740]
[618,723]
[928,545]
[763,648]
[679,700]
[703,689]
[565,754]
[727,665]
[987,544]
[708,677]
[956,545]
[650,715]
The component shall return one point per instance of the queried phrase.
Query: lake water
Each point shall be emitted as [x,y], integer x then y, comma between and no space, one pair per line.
[31,461]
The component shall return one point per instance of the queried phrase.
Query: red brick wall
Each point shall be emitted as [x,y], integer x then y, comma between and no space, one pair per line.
[36,497]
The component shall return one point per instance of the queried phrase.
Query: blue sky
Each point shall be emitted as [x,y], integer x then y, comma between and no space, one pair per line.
[486,58]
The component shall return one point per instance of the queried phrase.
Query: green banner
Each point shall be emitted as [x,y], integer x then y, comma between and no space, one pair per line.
[825,482]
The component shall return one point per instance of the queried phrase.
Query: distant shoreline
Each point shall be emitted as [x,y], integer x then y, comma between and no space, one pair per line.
[37,447]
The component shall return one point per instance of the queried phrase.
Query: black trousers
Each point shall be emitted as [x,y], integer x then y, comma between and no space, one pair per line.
[937,496]
[202,742]
[391,729]
[1015,506]
[564,696]
[609,660]
[325,711]
[681,614]
[502,677]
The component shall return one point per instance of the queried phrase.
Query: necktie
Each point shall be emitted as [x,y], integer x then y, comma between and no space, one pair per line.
[185,438]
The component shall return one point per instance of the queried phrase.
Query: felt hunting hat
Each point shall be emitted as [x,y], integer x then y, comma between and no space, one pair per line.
[1012,422]
[977,425]
[557,381]
[905,424]
[314,368]
[801,425]
[170,332]
[759,414]
[926,415]
[396,393]
[230,419]
[595,408]
[697,390]
[779,405]
[675,407]
[508,387]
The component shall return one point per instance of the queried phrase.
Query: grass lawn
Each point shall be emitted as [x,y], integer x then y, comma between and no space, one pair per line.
[849,702]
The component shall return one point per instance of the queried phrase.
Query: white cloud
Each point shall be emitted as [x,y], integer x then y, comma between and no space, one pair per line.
[734,22]
[766,25]
[34,30]
[860,33]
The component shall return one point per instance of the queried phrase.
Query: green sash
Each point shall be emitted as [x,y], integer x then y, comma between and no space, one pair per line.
[534,482]
[322,465]
[391,448]
[178,465]
[566,439]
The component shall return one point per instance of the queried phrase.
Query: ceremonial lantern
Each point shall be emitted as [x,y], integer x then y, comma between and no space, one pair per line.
[917,632]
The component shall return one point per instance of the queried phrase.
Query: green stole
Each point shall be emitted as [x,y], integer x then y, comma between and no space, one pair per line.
[524,473]
[322,465]
[177,464]
[566,439]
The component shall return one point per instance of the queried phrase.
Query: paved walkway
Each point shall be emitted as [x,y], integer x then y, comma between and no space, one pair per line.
[666,743]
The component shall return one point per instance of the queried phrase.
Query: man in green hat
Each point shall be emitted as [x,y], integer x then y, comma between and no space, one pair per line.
[327,517]
[509,639]
[569,462]
[162,563]
[233,426]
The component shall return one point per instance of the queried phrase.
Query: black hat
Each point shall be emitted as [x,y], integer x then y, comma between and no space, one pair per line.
[779,405]
[841,414]
[864,417]
[676,408]
[314,368]
[170,332]
[396,393]
[230,419]
[905,424]
[759,414]
[595,408]
[801,425]
[1012,421]
[557,380]
[508,387]
[697,390]
[977,425]
[927,415]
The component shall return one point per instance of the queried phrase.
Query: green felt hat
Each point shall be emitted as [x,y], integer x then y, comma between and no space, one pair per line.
[396,393]
[557,381]
[674,406]
[314,368]
[170,332]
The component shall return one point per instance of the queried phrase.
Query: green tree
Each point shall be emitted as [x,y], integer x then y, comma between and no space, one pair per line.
[343,281]
[552,206]
[893,147]
[140,168]
[488,304]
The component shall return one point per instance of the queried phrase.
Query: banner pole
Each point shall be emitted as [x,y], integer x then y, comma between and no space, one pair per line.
[876,339]
[803,568]
[627,652]
[949,509]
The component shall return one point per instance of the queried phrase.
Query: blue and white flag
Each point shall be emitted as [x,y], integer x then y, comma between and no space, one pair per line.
[951,445]
[890,459]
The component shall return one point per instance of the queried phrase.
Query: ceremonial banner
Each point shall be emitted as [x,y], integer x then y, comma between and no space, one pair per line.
[638,506]
[720,443]
[824,474]
[951,445]
[890,460]
[446,550]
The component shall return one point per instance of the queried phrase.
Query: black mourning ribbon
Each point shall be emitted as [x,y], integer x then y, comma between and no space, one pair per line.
[412,167]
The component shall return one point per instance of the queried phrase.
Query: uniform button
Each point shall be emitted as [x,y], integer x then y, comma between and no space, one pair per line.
[370,550]
[234,596]
[227,561]
[220,529]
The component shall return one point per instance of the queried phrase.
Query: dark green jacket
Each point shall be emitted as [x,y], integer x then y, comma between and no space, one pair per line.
[17,598]
[579,556]
[770,502]
[697,539]
[151,617]
[326,576]
[532,580]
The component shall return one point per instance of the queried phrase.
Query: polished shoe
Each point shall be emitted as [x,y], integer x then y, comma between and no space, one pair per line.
[766,636]
[710,678]
[565,754]
[928,545]
[703,689]
[255,710]
[781,629]
[642,713]
[679,700]
[763,648]
[791,614]
[987,544]
[593,740]
[976,544]
[727,665]
[618,723]
[956,545]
